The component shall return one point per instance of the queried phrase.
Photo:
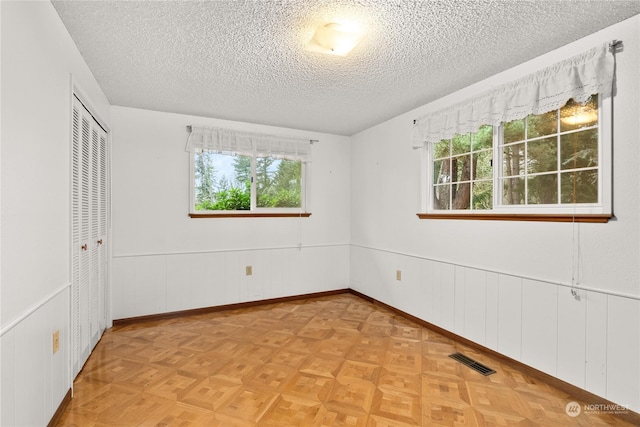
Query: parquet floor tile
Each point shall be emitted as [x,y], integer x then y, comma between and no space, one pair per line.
[398,406]
[210,394]
[339,418]
[249,404]
[321,366]
[291,411]
[322,362]
[359,371]
[310,387]
[284,356]
[351,395]
[237,370]
[271,376]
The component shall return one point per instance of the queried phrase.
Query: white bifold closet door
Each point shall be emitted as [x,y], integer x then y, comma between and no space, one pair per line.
[89,233]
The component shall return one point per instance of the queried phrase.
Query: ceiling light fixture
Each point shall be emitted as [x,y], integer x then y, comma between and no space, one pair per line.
[334,39]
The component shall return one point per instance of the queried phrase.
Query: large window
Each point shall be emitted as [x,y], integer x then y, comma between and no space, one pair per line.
[555,162]
[236,173]
[227,182]
[536,148]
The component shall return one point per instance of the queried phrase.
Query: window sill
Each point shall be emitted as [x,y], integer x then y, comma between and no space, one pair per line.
[590,218]
[251,215]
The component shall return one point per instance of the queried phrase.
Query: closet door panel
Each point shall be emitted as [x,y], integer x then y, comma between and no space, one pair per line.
[85,240]
[89,231]
[76,155]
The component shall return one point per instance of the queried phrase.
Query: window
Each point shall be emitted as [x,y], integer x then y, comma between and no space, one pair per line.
[535,148]
[544,163]
[228,182]
[552,158]
[462,171]
[240,174]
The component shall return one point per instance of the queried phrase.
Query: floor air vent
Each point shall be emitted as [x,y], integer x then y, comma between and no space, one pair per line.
[476,366]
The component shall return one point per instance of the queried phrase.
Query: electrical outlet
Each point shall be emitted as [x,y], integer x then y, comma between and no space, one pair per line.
[56,341]
[399,275]
[248,270]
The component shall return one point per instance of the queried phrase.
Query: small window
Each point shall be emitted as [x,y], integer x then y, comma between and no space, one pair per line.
[463,173]
[555,162]
[232,182]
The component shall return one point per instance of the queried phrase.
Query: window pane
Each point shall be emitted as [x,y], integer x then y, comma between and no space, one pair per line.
[441,149]
[542,189]
[513,160]
[222,182]
[542,155]
[542,124]
[482,165]
[441,195]
[483,138]
[482,195]
[461,144]
[513,131]
[576,116]
[442,171]
[579,149]
[461,196]
[513,191]
[461,168]
[278,183]
[580,187]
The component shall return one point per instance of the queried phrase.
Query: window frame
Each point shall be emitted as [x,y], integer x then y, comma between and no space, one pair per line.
[592,212]
[254,210]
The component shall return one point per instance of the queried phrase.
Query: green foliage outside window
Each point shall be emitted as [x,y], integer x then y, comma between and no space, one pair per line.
[277,182]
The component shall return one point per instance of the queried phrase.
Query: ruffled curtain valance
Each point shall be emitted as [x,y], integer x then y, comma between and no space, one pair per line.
[221,140]
[578,77]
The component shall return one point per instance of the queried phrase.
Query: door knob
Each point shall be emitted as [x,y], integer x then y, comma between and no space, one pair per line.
[84,247]
[100,242]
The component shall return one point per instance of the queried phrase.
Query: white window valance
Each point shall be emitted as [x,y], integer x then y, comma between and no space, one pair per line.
[230,141]
[578,77]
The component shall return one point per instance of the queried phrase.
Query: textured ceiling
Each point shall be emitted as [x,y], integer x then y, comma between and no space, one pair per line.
[246,61]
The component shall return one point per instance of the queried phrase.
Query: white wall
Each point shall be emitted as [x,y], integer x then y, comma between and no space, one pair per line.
[164,261]
[504,284]
[38,58]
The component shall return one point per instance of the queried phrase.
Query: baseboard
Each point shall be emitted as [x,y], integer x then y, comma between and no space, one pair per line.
[205,310]
[572,390]
[61,408]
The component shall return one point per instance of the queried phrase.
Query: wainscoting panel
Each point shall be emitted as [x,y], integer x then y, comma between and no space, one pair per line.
[447,295]
[540,325]
[623,358]
[596,343]
[154,284]
[510,316]
[571,336]
[9,378]
[459,311]
[491,314]
[31,371]
[410,285]
[591,341]
[430,293]
[475,303]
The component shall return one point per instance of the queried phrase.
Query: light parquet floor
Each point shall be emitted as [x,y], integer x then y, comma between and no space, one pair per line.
[323,362]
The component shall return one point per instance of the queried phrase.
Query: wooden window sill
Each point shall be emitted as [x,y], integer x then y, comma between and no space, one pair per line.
[241,214]
[590,218]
